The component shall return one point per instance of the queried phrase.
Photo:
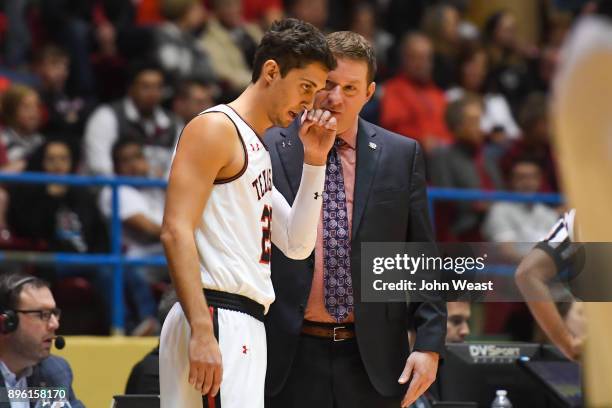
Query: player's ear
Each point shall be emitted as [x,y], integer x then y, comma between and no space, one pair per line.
[270,70]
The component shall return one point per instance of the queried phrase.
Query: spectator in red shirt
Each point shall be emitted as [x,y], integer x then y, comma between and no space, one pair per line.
[412,104]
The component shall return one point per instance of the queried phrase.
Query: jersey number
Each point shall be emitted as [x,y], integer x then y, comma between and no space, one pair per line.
[266,236]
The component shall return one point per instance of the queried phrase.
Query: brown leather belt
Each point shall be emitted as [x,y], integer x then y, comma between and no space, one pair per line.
[339,332]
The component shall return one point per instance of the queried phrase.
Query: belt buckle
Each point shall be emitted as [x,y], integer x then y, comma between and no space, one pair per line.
[336,328]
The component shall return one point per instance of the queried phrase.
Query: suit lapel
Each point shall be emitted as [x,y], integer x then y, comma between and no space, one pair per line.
[368,153]
[291,153]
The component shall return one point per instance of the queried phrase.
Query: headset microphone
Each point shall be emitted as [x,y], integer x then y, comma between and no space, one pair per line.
[60,342]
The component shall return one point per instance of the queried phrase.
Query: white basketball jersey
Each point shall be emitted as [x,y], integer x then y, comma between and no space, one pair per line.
[234,236]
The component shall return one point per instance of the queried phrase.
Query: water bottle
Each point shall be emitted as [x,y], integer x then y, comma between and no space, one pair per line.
[501,400]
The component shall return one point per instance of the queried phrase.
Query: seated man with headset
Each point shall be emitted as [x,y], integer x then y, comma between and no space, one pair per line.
[28,321]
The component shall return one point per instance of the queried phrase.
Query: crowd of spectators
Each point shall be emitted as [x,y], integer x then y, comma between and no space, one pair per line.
[104,87]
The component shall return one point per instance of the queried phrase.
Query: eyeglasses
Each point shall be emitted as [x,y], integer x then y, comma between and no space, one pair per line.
[44,315]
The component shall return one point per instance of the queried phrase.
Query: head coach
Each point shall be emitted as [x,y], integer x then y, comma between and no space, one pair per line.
[326,348]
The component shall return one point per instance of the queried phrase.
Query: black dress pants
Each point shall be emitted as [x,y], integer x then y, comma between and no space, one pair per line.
[328,374]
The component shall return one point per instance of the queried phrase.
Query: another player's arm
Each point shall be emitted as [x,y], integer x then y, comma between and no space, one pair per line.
[206,151]
[532,277]
[294,228]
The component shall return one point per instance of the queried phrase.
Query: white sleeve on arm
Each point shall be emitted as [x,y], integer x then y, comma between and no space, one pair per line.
[294,229]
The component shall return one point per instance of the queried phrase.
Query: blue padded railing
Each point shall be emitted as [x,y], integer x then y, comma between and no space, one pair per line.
[118,261]
[114,259]
[454,194]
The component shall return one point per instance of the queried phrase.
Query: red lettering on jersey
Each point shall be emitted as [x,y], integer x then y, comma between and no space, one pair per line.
[254,183]
[266,235]
[268,178]
[263,183]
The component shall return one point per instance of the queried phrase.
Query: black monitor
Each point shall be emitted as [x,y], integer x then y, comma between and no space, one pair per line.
[136,401]
[561,379]
[474,371]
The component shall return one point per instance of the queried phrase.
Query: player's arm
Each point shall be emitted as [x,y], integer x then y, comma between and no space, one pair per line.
[532,277]
[294,228]
[204,153]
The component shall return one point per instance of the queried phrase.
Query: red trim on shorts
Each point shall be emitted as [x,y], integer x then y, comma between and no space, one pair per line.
[210,400]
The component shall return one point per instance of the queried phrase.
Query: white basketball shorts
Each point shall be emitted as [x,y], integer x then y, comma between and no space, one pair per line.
[242,340]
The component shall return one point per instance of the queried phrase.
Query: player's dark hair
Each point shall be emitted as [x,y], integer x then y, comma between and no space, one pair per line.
[292,44]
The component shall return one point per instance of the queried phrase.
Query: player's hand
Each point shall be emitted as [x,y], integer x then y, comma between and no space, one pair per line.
[422,365]
[318,133]
[205,368]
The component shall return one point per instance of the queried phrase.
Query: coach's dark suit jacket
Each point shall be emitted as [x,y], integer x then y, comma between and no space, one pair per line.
[390,205]
[52,372]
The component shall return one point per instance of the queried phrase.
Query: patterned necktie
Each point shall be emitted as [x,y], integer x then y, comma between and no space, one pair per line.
[337,278]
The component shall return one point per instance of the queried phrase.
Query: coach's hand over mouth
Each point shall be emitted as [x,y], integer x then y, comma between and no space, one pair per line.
[205,365]
[318,133]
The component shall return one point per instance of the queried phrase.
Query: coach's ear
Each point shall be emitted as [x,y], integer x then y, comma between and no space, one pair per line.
[270,71]
[370,91]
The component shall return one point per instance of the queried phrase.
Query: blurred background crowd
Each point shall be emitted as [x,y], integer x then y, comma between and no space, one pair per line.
[104,87]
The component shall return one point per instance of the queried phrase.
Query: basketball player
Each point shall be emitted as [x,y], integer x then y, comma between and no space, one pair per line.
[553,255]
[222,213]
[583,140]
